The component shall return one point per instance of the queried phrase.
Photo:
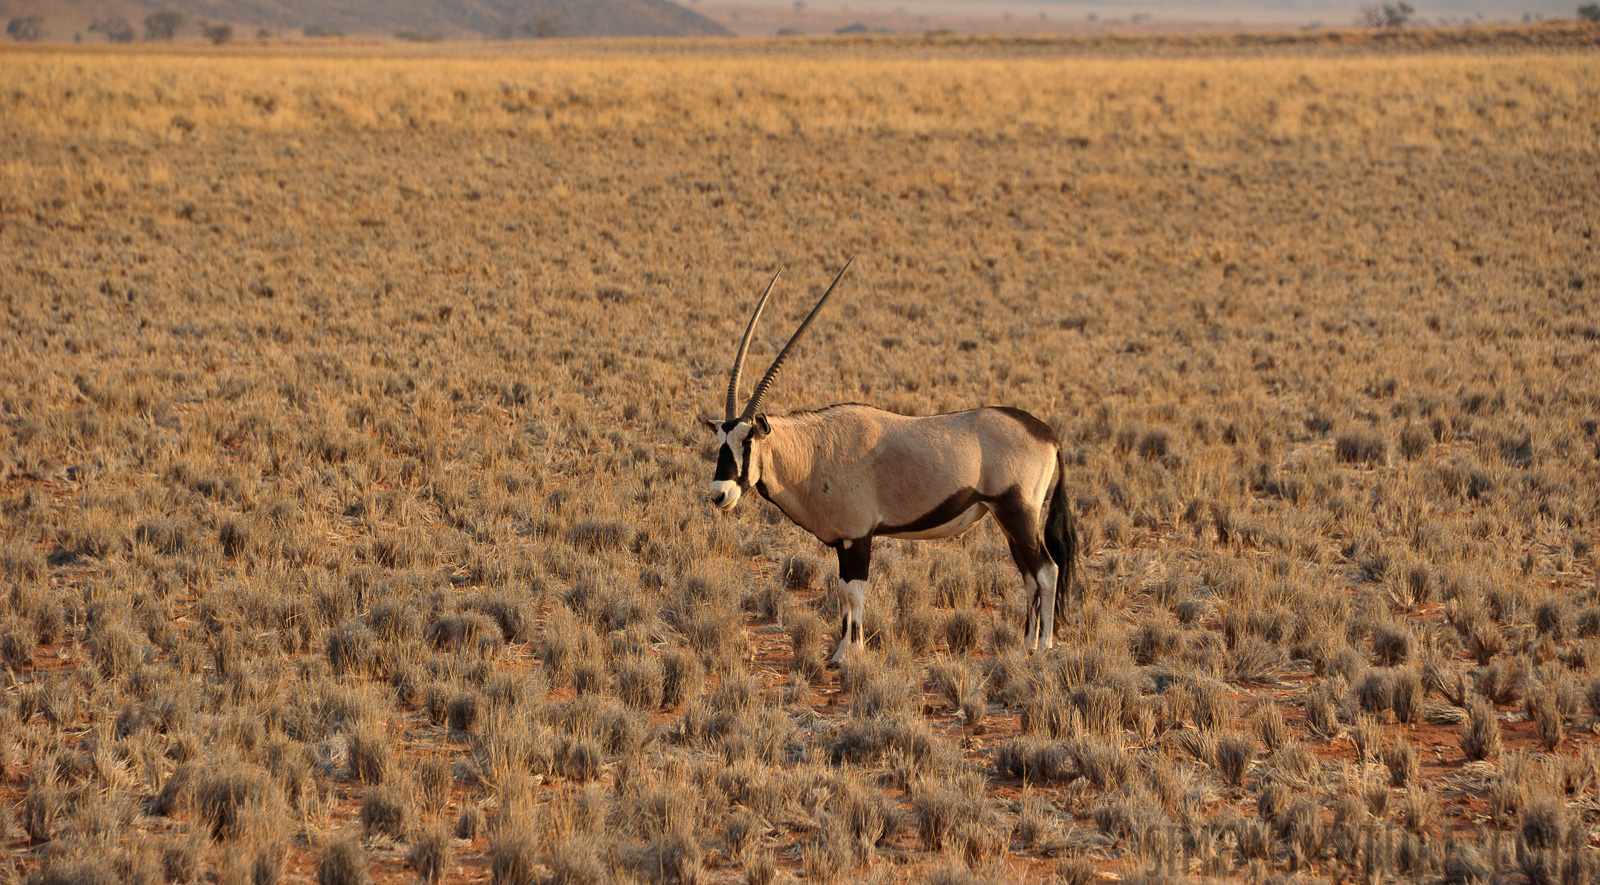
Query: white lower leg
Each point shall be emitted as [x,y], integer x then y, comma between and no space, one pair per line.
[853,595]
[1030,622]
[1047,608]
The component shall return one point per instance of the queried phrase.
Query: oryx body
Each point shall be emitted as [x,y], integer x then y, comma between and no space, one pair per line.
[851,473]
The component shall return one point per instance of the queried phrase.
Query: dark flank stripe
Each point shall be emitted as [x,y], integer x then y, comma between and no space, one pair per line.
[947,510]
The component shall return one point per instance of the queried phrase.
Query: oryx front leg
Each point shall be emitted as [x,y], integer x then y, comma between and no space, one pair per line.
[855,558]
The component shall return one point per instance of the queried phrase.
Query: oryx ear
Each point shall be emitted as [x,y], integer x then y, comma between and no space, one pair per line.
[712,423]
[762,428]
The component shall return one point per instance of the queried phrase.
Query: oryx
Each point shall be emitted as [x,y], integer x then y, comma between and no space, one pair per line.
[849,473]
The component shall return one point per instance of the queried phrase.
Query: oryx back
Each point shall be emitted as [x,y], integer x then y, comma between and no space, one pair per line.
[864,472]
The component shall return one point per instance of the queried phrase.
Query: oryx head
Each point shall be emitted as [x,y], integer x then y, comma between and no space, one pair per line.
[739,434]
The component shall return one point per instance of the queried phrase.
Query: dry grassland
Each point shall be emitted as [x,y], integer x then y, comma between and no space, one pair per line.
[351,494]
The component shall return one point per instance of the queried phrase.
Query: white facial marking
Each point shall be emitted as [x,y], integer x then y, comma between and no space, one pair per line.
[735,441]
[725,493]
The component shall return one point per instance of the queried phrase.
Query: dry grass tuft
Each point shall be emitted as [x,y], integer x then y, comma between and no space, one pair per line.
[430,852]
[342,862]
[1480,733]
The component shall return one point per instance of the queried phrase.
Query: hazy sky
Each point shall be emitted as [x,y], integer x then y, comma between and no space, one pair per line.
[1330,11]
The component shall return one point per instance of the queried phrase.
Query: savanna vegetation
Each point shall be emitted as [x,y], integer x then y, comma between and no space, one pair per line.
[351,488]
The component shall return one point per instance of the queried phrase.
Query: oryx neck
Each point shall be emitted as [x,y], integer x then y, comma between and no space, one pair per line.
[788,459]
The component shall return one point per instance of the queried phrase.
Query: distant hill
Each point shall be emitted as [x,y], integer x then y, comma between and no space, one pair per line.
[447,18]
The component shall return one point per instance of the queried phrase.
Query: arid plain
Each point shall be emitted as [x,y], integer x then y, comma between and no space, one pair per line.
[352,513]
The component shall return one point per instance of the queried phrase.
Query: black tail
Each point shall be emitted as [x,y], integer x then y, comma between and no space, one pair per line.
[1061,539]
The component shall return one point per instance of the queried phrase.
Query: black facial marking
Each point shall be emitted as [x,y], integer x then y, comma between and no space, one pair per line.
[727,468]
[947,510]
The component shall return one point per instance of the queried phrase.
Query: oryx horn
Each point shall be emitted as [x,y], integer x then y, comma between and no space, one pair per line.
[754,405]
[738,359]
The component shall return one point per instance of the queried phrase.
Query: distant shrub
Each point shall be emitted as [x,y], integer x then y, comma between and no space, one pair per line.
[163,25]
[518,29]
[320,30]
[1386,15]
[218,33]
[26,28]
[1589,12]
[413,35]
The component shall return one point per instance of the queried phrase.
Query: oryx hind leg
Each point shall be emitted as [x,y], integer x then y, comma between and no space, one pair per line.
[855,559]
[1045,583]
[1023,529]
[1030,623]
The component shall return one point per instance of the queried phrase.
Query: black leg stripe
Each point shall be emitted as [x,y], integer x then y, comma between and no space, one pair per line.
[855,561]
